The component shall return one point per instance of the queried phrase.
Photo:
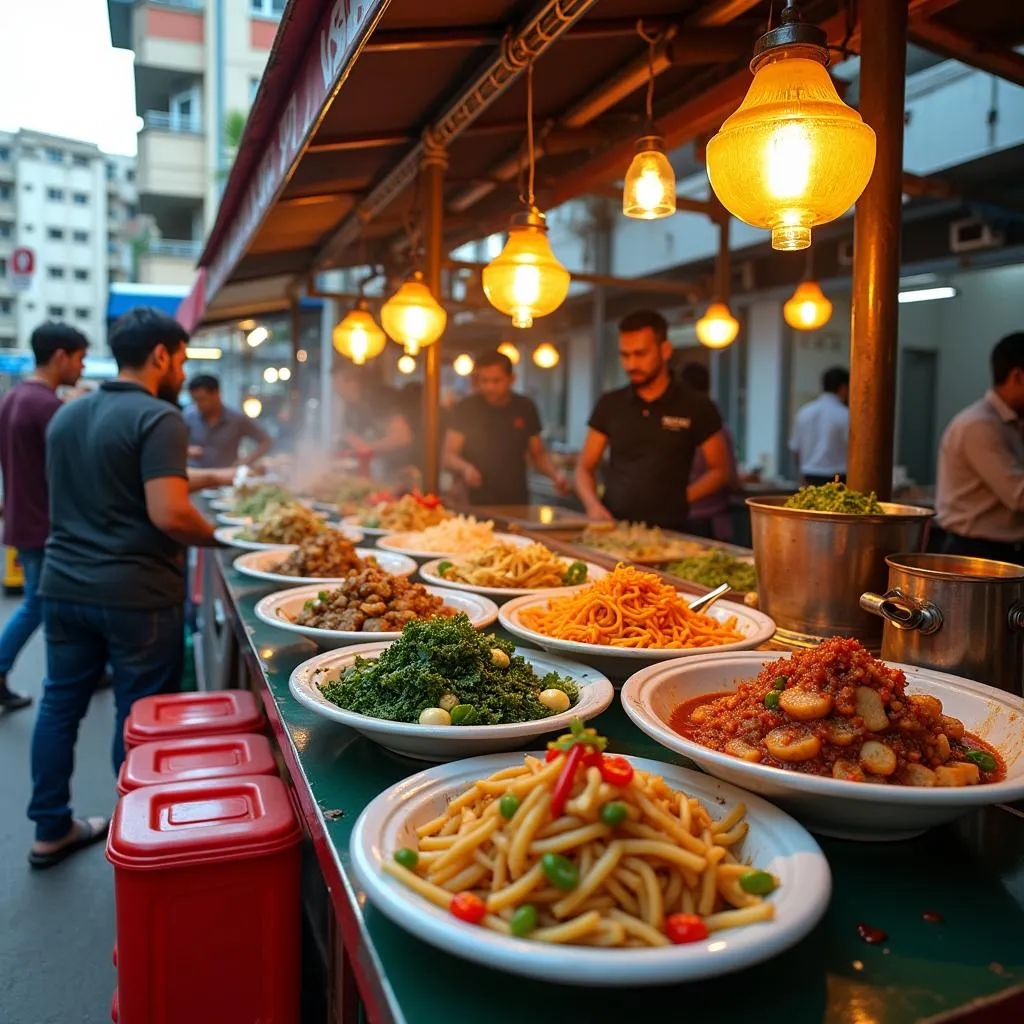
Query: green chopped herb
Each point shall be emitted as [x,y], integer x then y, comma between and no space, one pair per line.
[836,497]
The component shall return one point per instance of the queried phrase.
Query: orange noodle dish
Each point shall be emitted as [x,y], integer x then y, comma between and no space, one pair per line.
[836,711]
[582,848]
[629,608]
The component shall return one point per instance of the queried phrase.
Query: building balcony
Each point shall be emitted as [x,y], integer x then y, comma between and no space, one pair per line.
[170,35]
[171,159]
[167,261]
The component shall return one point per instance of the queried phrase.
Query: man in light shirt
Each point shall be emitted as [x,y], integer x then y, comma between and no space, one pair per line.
[821,433]
[980,492]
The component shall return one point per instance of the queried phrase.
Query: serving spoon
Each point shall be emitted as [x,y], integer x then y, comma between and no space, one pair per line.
[698,604]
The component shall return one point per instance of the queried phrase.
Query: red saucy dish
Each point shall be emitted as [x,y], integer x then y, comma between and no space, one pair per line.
[838,712]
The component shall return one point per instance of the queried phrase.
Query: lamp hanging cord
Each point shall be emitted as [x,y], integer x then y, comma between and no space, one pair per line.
[529,133]
[652,42]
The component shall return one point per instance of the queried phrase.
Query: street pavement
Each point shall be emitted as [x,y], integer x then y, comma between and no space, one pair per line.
[56,926]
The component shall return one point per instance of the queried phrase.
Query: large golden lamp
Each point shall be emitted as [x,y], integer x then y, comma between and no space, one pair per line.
[357,336]
[793,155]
[717,328]
[525,280]
[807,308]
[412,316]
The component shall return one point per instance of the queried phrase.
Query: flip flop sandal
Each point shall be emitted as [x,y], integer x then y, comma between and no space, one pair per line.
[87,837]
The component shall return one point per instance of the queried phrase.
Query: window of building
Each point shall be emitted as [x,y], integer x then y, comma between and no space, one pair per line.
[6,229]
[80,161]
[111,172]
[129,175]
[55,273]
[81,199]
[5,191]
[55,311]
[268,8]
[129,210]
[5,153]
[56,194]
[3,267]
[6,305]
[81,275]
[81,313]
[55,156]
[81,236]
[55,234]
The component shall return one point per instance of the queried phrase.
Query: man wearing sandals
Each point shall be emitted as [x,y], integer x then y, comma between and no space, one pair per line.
[113,582]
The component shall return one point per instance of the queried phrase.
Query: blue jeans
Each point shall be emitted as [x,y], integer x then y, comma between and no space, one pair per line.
[145,650]
[25,621]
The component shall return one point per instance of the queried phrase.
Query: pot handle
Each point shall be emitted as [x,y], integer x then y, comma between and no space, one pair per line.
[906,612]
[1015,617]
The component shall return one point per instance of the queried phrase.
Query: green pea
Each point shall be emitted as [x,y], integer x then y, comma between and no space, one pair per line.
[407,858]
[983,759]
[757,883]
[524,920]
[508,805]
[464,714]
[443,567]
[560,871]
[771,700]
[613,813]
[780,682]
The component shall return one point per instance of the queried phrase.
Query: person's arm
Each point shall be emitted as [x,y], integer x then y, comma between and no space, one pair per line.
[171,512]
[540,457]
[586,474]
[199,479]
[398,435]
[263,443]
[716,476]
[451,458]
[986,453]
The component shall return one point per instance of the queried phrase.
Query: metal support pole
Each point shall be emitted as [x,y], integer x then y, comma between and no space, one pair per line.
[294,391]
[435,162]
[874,322]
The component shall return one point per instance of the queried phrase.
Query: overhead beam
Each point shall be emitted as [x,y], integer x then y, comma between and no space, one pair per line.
[1001,62]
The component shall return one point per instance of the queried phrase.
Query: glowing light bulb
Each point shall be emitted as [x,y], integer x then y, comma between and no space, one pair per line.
[546,356]
[270,375]
[717,328]
[406,364]
[807,308]
[649,189]
[284,374]
[252,407]
[463,364]
[412,316]
[507,349]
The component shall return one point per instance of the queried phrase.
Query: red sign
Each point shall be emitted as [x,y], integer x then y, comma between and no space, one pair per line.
[342,30]
[23,265]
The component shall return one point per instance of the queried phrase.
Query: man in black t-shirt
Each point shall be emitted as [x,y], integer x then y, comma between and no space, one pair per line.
[492,435]
[651,431]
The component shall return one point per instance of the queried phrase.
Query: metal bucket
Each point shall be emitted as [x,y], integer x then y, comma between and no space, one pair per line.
[955,614]
[812,567]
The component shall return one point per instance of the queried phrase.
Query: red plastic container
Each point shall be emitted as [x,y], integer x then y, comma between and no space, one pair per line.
[206,878]
[180,715]
[204,757]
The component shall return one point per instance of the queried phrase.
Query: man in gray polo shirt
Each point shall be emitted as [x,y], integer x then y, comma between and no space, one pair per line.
[216,432]
[113,580]
[980,491]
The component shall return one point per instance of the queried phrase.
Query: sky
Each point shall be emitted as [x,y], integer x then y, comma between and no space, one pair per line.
[59,73]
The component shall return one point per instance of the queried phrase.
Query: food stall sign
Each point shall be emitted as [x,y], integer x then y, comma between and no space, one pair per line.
[22,266]
[343,30]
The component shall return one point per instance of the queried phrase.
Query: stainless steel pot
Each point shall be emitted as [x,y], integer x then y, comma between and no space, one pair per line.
[959,615]
[812,567]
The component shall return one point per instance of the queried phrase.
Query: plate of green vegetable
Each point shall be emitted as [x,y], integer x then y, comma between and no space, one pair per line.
[444,691]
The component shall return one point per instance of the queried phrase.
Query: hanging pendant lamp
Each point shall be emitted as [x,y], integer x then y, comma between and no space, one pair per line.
[717,328]
[546,356]
[357,336]
[793,155]
[649,191]
[807,308]
[412,317]
[525,280]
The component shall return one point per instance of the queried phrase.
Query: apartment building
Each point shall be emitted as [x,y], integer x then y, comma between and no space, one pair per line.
[74,207]
[198,64]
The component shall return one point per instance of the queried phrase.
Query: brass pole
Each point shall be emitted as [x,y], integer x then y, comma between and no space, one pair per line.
[434,164]
[874,322]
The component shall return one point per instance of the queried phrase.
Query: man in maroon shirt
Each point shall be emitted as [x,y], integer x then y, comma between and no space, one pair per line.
[25,413]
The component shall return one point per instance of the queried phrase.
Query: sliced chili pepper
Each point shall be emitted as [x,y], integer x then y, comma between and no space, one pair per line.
[616,771]
[593,759]
[563,787]
[683,928]
[552,753]
[468,907]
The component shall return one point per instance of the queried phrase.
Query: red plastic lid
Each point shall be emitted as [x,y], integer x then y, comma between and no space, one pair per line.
[192,714]
[188,823]
[203,757]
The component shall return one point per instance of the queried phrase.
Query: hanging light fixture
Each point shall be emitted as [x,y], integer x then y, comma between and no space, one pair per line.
[406,364]
[546,356]
[357,336]
[412,316]
[252,407]
[717,328]
[525,280]
[649,191]
[807,308]
[507,349]
[463,364]
[793,155]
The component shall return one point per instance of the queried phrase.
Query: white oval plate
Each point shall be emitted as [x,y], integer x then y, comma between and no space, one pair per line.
[849,810]
[227,519]
[281,608]
[260,565]
[370,531]
[775,843]
[405,544]
[755,626]
[447,743]
[229,535]
[429,573]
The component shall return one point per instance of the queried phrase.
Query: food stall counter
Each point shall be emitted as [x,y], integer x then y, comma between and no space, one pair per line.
[915,930]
